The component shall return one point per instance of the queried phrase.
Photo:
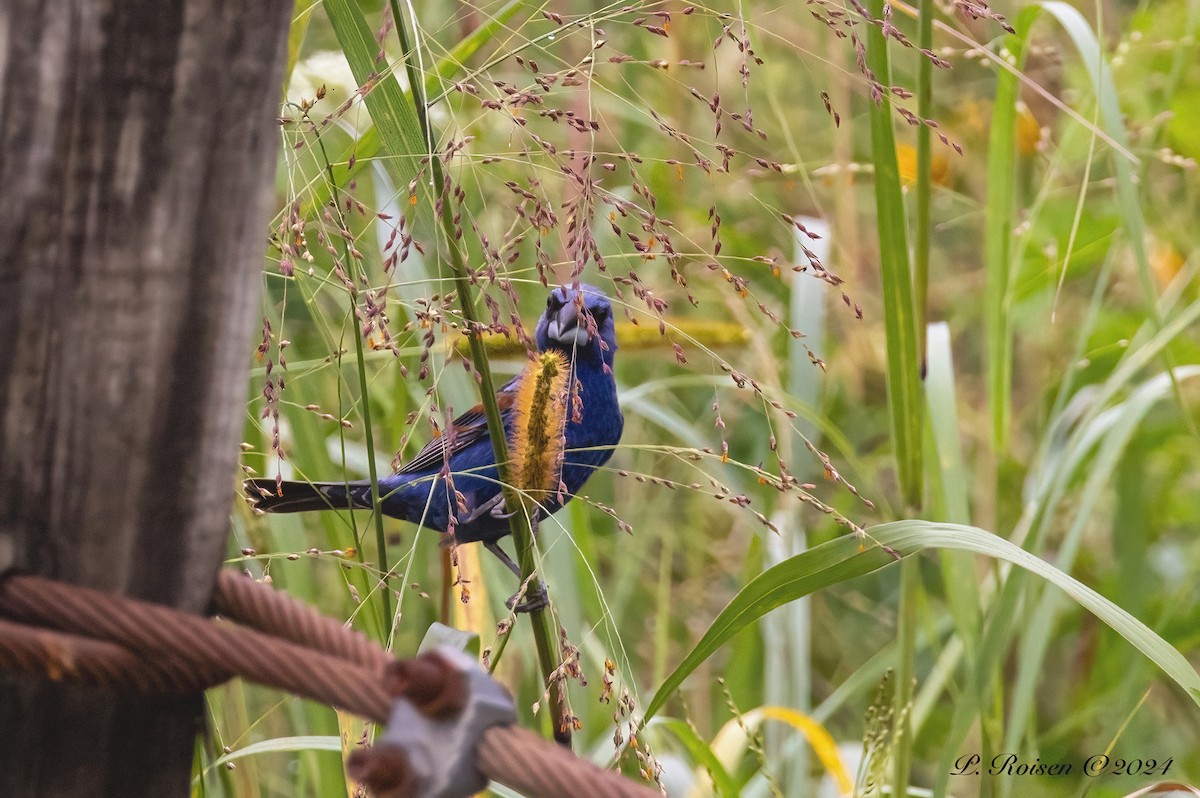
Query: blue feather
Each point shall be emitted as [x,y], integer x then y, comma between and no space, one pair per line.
[579,323]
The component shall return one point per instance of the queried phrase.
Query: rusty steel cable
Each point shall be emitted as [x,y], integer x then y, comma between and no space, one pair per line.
[57,656]
[219,650]
[255,605]
[534,766]
[68,633]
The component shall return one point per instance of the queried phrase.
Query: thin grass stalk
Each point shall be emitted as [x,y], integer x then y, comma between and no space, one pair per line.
[906,669]
[545,639]
[385,596]
[360,153]
[904,368]
[924,183]
[372,473]
[1001,195]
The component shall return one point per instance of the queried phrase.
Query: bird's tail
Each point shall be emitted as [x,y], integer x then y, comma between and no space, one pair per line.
[298,497]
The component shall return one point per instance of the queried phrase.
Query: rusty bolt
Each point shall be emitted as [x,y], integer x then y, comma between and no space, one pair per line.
[384,769]
[434,685]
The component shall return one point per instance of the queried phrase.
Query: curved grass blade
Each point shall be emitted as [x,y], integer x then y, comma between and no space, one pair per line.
[845,558]
[702,755]
[390,106]
[1128,200]
[277,745]
[1120,423]
[365,149]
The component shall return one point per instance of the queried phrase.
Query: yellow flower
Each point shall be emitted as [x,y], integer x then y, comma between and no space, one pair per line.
[906,159]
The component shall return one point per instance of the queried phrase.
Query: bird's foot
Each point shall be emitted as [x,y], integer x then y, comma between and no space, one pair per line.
[537,602]
[501,511]
[494,507]
[540,600]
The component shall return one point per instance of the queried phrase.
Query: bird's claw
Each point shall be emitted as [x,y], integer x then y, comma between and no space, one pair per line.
[537,602]
[540,599]
[494,507]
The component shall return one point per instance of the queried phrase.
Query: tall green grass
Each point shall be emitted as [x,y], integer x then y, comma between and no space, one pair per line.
[996,387]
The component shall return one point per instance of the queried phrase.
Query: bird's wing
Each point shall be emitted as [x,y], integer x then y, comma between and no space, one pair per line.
[467,429]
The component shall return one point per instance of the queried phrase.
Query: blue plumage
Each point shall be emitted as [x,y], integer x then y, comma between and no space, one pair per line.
[578,322]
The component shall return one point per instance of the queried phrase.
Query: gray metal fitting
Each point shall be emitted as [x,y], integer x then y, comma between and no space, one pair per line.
[440,746]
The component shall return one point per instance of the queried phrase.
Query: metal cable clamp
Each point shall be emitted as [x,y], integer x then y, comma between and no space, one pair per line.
[444,703]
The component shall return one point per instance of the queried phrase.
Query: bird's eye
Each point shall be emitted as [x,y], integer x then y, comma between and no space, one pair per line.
[600,314]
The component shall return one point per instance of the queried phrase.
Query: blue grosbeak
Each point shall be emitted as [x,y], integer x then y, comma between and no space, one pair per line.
[578,323]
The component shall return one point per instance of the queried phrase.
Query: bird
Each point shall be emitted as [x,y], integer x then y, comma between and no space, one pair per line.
[578,325]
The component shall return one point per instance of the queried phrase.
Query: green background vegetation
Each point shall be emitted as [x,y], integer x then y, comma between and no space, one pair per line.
[1048,271]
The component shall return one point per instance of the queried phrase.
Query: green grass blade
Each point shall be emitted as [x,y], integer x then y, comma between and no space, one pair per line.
[277,745]
[1120,424]
[702,755]
[953,483]
[390,107]
[903,359]
[366,147]
[296,34]
[1129,203]
[998,235]
[846,557]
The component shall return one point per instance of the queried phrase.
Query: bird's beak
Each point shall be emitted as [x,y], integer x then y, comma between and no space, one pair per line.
[564,327]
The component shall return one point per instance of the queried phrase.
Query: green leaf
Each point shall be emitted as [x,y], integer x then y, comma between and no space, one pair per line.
[279,745]
[701,754]
[998,234]
[390,107]
[903,359]
[1118,426]
[366,147]
[847,557]
[1129,203]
